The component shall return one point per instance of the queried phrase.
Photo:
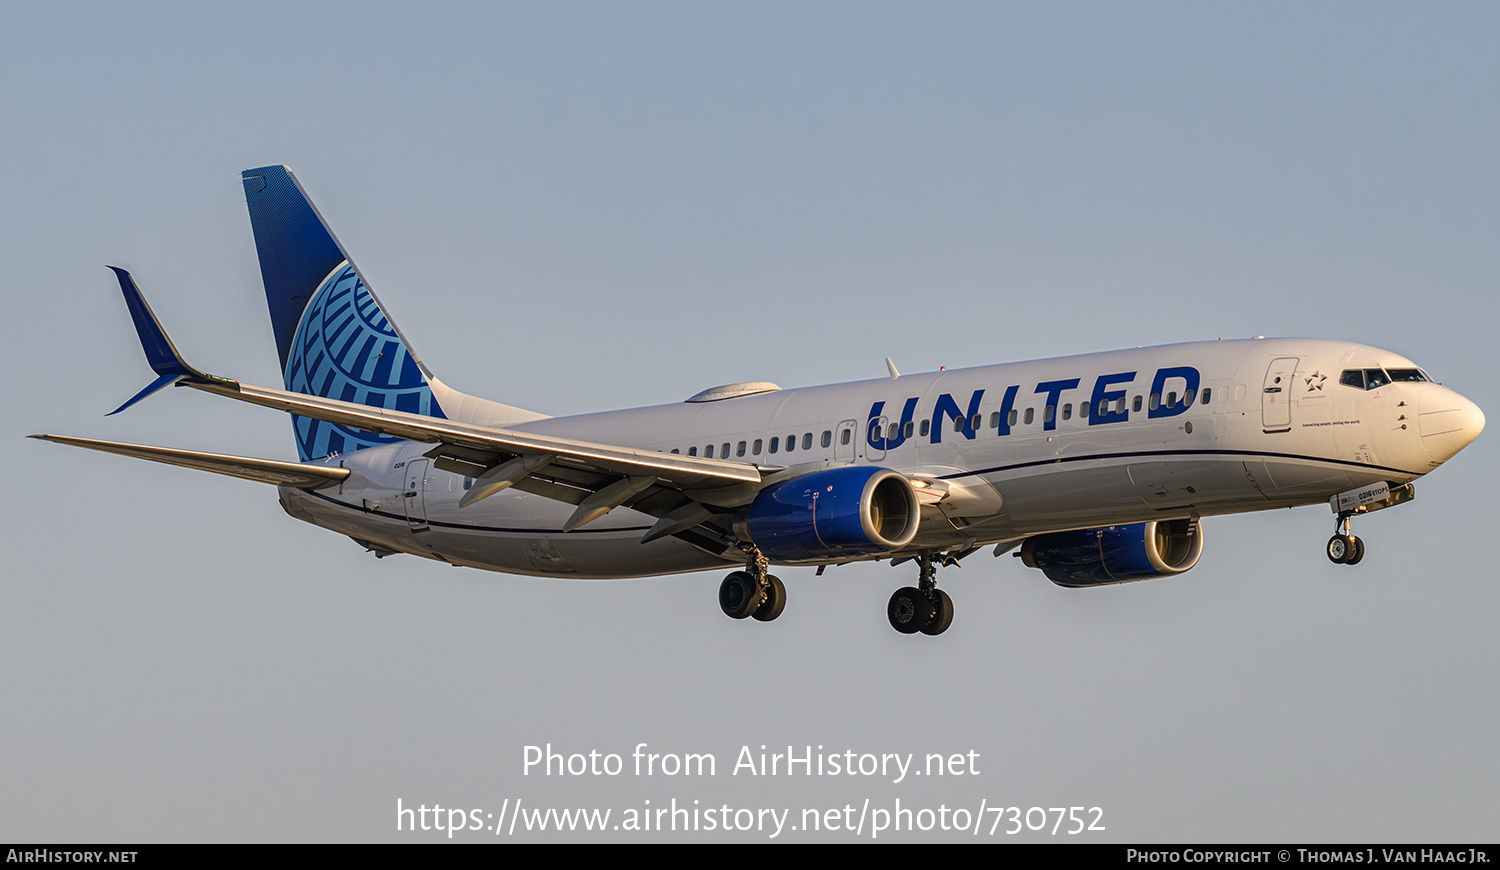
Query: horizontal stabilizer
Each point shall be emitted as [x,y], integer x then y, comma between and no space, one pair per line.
[259,470]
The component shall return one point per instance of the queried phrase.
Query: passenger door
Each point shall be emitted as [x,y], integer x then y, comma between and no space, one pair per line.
[415,494]
[843,441]
[1276,395]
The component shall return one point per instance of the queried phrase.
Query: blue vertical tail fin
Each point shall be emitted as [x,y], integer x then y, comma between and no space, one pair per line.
[333,335]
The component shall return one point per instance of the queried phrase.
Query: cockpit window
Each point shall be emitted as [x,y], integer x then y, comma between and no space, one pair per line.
[1373,379]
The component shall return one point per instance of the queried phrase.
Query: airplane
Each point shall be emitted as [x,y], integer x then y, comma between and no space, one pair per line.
[1096,469]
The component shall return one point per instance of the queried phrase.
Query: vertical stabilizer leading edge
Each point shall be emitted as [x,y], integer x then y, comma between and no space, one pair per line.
[333,336]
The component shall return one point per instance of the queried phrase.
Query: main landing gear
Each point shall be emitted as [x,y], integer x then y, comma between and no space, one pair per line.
[1344,548]
[752,592]
[922,608]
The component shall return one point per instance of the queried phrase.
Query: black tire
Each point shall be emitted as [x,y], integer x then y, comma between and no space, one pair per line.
[1358,552]
[775,600]
[739,595]
[909,610]
[942,614]
[1339,549]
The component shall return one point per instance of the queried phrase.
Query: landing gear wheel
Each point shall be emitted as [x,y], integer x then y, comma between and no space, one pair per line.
[1358,553]
[909,610]
[775,600]
[739,595]
[942,616]
[1340,548]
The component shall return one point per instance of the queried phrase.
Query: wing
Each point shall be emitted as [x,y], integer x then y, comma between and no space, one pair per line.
[595,477]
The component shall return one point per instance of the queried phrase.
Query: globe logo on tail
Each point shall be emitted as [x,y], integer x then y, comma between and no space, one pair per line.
[346,349]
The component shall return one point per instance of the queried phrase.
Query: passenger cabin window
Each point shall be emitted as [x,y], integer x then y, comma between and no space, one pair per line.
[791,443]
[1049,413]
[1187,399]
[675,450]
[692,451]
[708,452]
[843,437]
[1083,410]
[1136,406]
[1068,411]
[958,424]
[724,450]
[1172,399]
[827,437]
[925,428]
[1208,395]
[806,440]
[1030,415]
[1011,420]
[740,450]
[907,429]
[1155,401]
[755,449]
[775,442]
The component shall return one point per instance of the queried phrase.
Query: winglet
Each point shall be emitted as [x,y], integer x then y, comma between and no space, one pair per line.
[160,352]
[163,381]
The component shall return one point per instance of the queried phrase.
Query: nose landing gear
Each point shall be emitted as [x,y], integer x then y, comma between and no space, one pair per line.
[1344,548]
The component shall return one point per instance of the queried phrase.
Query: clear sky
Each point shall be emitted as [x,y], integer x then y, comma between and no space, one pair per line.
[572,207]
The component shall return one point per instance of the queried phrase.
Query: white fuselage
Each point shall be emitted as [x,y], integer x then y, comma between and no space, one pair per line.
[1097,439]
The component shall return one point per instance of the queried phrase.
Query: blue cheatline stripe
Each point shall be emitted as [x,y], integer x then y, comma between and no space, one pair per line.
[1139,453]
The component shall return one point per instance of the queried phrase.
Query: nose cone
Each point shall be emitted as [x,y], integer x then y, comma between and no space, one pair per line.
[1447,421]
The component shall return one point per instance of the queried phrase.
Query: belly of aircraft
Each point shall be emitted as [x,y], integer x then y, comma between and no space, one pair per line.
[1142,489]
[495,541]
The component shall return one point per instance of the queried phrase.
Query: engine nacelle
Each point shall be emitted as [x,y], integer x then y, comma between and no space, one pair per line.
[849,511]
[1116,554]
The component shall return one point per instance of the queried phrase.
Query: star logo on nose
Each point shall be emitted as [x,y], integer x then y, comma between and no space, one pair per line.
[1315,381]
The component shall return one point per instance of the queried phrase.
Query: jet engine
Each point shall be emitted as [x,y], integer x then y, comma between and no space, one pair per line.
[1115,554]
[849,511]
